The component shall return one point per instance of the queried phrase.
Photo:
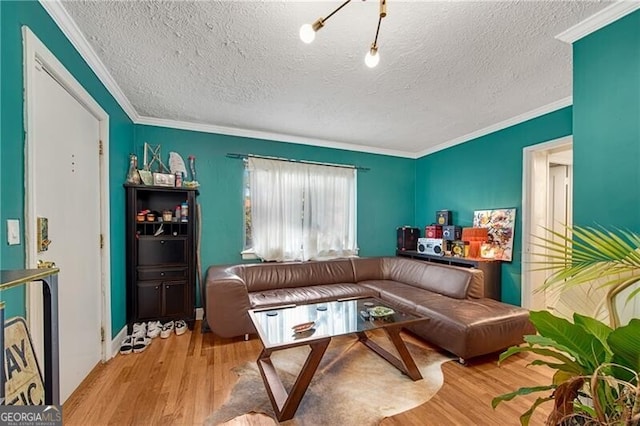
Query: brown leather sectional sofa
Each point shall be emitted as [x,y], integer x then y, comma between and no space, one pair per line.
[460,322]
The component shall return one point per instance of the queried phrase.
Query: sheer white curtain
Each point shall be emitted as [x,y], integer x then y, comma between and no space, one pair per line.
[329,223]
[302,211]
[277,193]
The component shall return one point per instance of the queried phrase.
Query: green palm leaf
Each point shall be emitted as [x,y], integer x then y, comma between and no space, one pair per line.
[526,416]
[625,343]
[522,391]
[570,365]
[581,344]
[598,329]
[587,255]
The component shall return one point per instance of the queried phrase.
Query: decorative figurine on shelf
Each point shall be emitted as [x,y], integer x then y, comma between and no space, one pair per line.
[156,156]
[193,183]
[177,167]
[192,166]
[133,178]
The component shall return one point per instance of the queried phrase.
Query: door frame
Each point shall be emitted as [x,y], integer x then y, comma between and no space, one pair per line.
[37,54]
[528,225]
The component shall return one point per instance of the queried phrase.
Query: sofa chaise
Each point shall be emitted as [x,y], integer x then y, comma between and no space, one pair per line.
[460,321]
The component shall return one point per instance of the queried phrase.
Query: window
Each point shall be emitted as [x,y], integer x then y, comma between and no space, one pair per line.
[299,211]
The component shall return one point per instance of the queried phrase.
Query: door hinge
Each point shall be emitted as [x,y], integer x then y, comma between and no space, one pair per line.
[100,149]
[102,334]
[101,241]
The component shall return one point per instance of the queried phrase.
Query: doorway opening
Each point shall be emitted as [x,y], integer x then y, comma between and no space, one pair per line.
[547,204]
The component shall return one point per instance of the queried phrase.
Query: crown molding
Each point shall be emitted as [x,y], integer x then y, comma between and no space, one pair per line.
[553,106]
[277,137]
[598,20]
[67,25]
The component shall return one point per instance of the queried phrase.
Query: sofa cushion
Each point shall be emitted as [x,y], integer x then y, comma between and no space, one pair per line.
[448,280]
[317,293]
[367,268]
[399,294]
[266,276]
[472,327]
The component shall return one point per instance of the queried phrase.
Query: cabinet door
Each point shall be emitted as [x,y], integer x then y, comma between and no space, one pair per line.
[162,251]
[149,299]
[175,298]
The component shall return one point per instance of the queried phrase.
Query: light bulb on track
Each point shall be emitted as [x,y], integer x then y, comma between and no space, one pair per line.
[372,58]
[307,34]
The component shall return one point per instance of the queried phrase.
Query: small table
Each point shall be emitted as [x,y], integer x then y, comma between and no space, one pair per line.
[335,318]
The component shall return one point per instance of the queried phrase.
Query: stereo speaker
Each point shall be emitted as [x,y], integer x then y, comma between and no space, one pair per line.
[407,238]
[451,232]
[443,217]
[433,231]
[431,246]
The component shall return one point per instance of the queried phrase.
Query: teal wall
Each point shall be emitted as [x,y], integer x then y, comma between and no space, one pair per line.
[385,192]
[15,14]
[606,117]
[485,173]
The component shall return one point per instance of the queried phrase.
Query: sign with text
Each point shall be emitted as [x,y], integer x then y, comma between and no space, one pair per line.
[34,415]
[24,384]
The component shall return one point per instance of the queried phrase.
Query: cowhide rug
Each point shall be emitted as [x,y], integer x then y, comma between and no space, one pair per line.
[352,386]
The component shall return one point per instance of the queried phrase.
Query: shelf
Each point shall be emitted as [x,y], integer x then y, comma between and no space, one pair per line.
[162,188]
[169,228]
[161,269]
[443,259]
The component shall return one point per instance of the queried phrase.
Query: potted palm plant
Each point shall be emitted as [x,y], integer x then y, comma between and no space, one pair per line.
[596,365]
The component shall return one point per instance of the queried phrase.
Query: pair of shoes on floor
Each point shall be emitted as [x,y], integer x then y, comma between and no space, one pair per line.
[138,340]
[139,329]
[135,344]
[179,326]
[153,329]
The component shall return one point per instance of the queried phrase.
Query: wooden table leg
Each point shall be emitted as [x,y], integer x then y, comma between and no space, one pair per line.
[286,403]
[405,363]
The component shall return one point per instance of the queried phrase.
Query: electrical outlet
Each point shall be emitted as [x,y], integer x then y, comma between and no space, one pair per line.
[13,232]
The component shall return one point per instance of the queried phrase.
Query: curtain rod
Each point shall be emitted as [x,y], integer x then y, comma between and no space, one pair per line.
[344,166]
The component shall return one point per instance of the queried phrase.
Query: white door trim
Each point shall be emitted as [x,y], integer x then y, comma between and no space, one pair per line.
[527,219]
[37,54]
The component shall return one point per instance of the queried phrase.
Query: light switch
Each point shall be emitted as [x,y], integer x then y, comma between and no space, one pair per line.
[13,232]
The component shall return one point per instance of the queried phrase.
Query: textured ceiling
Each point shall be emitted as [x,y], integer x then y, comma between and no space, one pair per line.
[447,69]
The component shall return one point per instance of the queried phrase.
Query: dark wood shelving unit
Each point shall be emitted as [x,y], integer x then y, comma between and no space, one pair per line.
[160,257]
[490,268]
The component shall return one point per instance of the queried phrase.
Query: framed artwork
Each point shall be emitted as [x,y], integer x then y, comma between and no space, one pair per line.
[164,179]
[501,225]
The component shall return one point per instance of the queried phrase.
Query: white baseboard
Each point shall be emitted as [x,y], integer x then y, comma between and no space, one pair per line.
[199,313]
[116,341]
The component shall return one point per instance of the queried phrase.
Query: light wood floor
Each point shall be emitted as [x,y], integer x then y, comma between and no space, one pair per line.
[180,380]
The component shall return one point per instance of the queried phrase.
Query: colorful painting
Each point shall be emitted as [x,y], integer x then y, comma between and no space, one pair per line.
[501,224]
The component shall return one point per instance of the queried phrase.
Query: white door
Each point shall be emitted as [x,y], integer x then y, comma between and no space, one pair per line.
[65,169]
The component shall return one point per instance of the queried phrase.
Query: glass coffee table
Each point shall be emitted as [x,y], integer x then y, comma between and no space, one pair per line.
[314,325]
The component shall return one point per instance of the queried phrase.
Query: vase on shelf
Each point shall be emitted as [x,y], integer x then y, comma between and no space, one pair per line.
[133,177]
